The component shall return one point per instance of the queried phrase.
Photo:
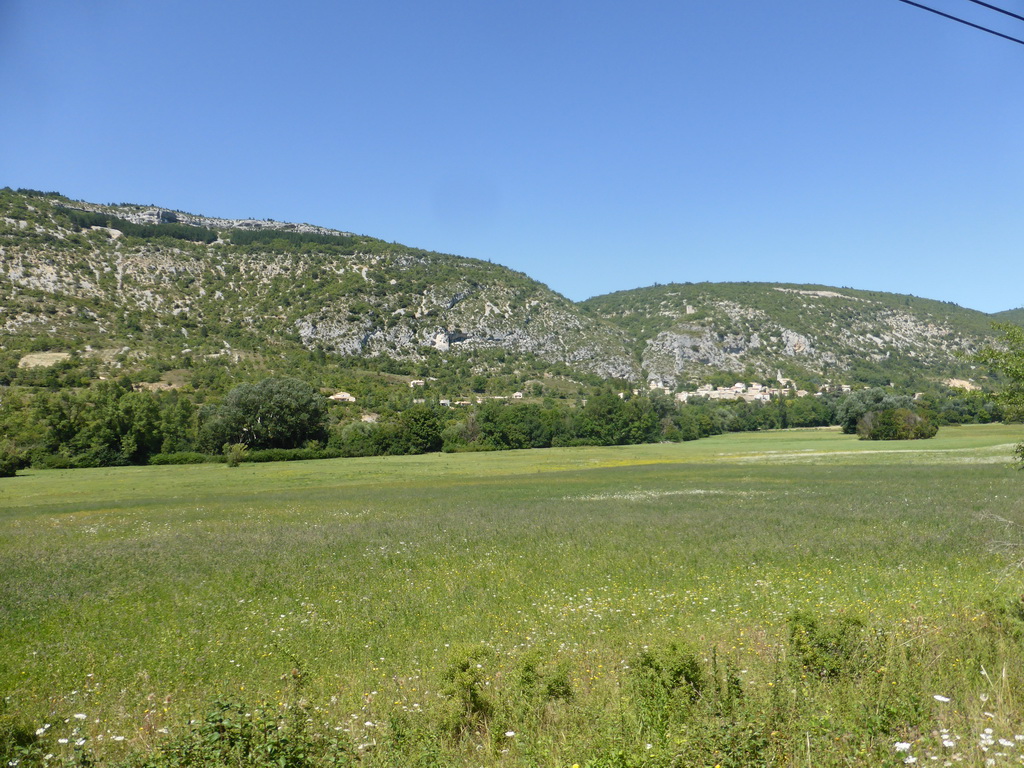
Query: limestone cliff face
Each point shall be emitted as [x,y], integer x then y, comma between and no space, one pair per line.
[470,315]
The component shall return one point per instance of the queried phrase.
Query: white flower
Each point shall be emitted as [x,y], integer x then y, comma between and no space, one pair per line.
[509,734]
[80,742]
[79,716]
[948,743]
[62,741]
[119,738]
[943,699]
[902,746]
[910,760]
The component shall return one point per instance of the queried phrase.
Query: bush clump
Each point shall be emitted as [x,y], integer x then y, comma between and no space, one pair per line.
[829,647]
[665,682]
[895,424]
[9,464]
[181,457]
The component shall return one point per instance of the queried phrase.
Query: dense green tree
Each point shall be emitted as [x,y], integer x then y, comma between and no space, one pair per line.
[895,424]
[851,409]
[419,430]
[1008,360]
[272,413]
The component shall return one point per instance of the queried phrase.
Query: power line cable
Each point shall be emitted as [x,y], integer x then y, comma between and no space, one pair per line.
[963,21]
[997,9]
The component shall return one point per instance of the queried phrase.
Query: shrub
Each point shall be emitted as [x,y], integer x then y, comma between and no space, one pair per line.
[830,647]
[233,734]
[234,453]
[469,707]
[9,464]
[292,454]
[665,682]
[181,457]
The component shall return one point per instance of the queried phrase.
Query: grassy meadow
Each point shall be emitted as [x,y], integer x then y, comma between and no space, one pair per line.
[791,598]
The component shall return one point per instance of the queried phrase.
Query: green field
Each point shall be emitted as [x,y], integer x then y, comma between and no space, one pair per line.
[791,598]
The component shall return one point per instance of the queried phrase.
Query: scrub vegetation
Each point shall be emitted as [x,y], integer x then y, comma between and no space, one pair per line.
[796,597]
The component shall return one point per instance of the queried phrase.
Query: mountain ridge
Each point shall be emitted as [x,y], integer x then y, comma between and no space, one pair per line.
[168,285]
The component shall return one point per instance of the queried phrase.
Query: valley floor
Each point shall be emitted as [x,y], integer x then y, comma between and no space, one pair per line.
[781,598]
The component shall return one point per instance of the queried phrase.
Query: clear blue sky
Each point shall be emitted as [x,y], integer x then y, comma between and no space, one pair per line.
[596,146]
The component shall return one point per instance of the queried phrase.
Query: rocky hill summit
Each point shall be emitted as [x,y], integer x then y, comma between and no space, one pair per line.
[168,283]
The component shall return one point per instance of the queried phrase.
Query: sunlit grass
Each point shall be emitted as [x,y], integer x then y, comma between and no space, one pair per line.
[137,595]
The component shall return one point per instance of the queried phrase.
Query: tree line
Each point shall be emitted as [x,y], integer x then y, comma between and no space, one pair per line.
[114,423]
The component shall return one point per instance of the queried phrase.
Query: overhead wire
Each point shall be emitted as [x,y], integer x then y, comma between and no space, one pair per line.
[969,23]
[997,9]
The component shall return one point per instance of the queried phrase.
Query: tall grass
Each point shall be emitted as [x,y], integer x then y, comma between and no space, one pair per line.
[770,599]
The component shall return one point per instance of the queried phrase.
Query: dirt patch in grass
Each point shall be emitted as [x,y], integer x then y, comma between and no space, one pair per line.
[42,359]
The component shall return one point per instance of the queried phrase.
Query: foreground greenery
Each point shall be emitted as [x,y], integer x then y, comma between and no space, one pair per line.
[785,598]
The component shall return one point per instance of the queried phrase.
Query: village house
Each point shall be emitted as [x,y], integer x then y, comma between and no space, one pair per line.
[752,393]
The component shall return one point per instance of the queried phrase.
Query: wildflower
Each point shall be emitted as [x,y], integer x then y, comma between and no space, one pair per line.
[79,716]
[62,741]
[943,699]
[509,734]
[80,742]
[910,760]
[902,746]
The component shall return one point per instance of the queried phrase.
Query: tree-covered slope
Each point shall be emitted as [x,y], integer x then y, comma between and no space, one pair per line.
[151,283]
[1015,316]
[812,333]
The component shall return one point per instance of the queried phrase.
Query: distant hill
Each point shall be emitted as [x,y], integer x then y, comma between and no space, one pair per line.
[1015,316]
[806,332]
[148,290]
